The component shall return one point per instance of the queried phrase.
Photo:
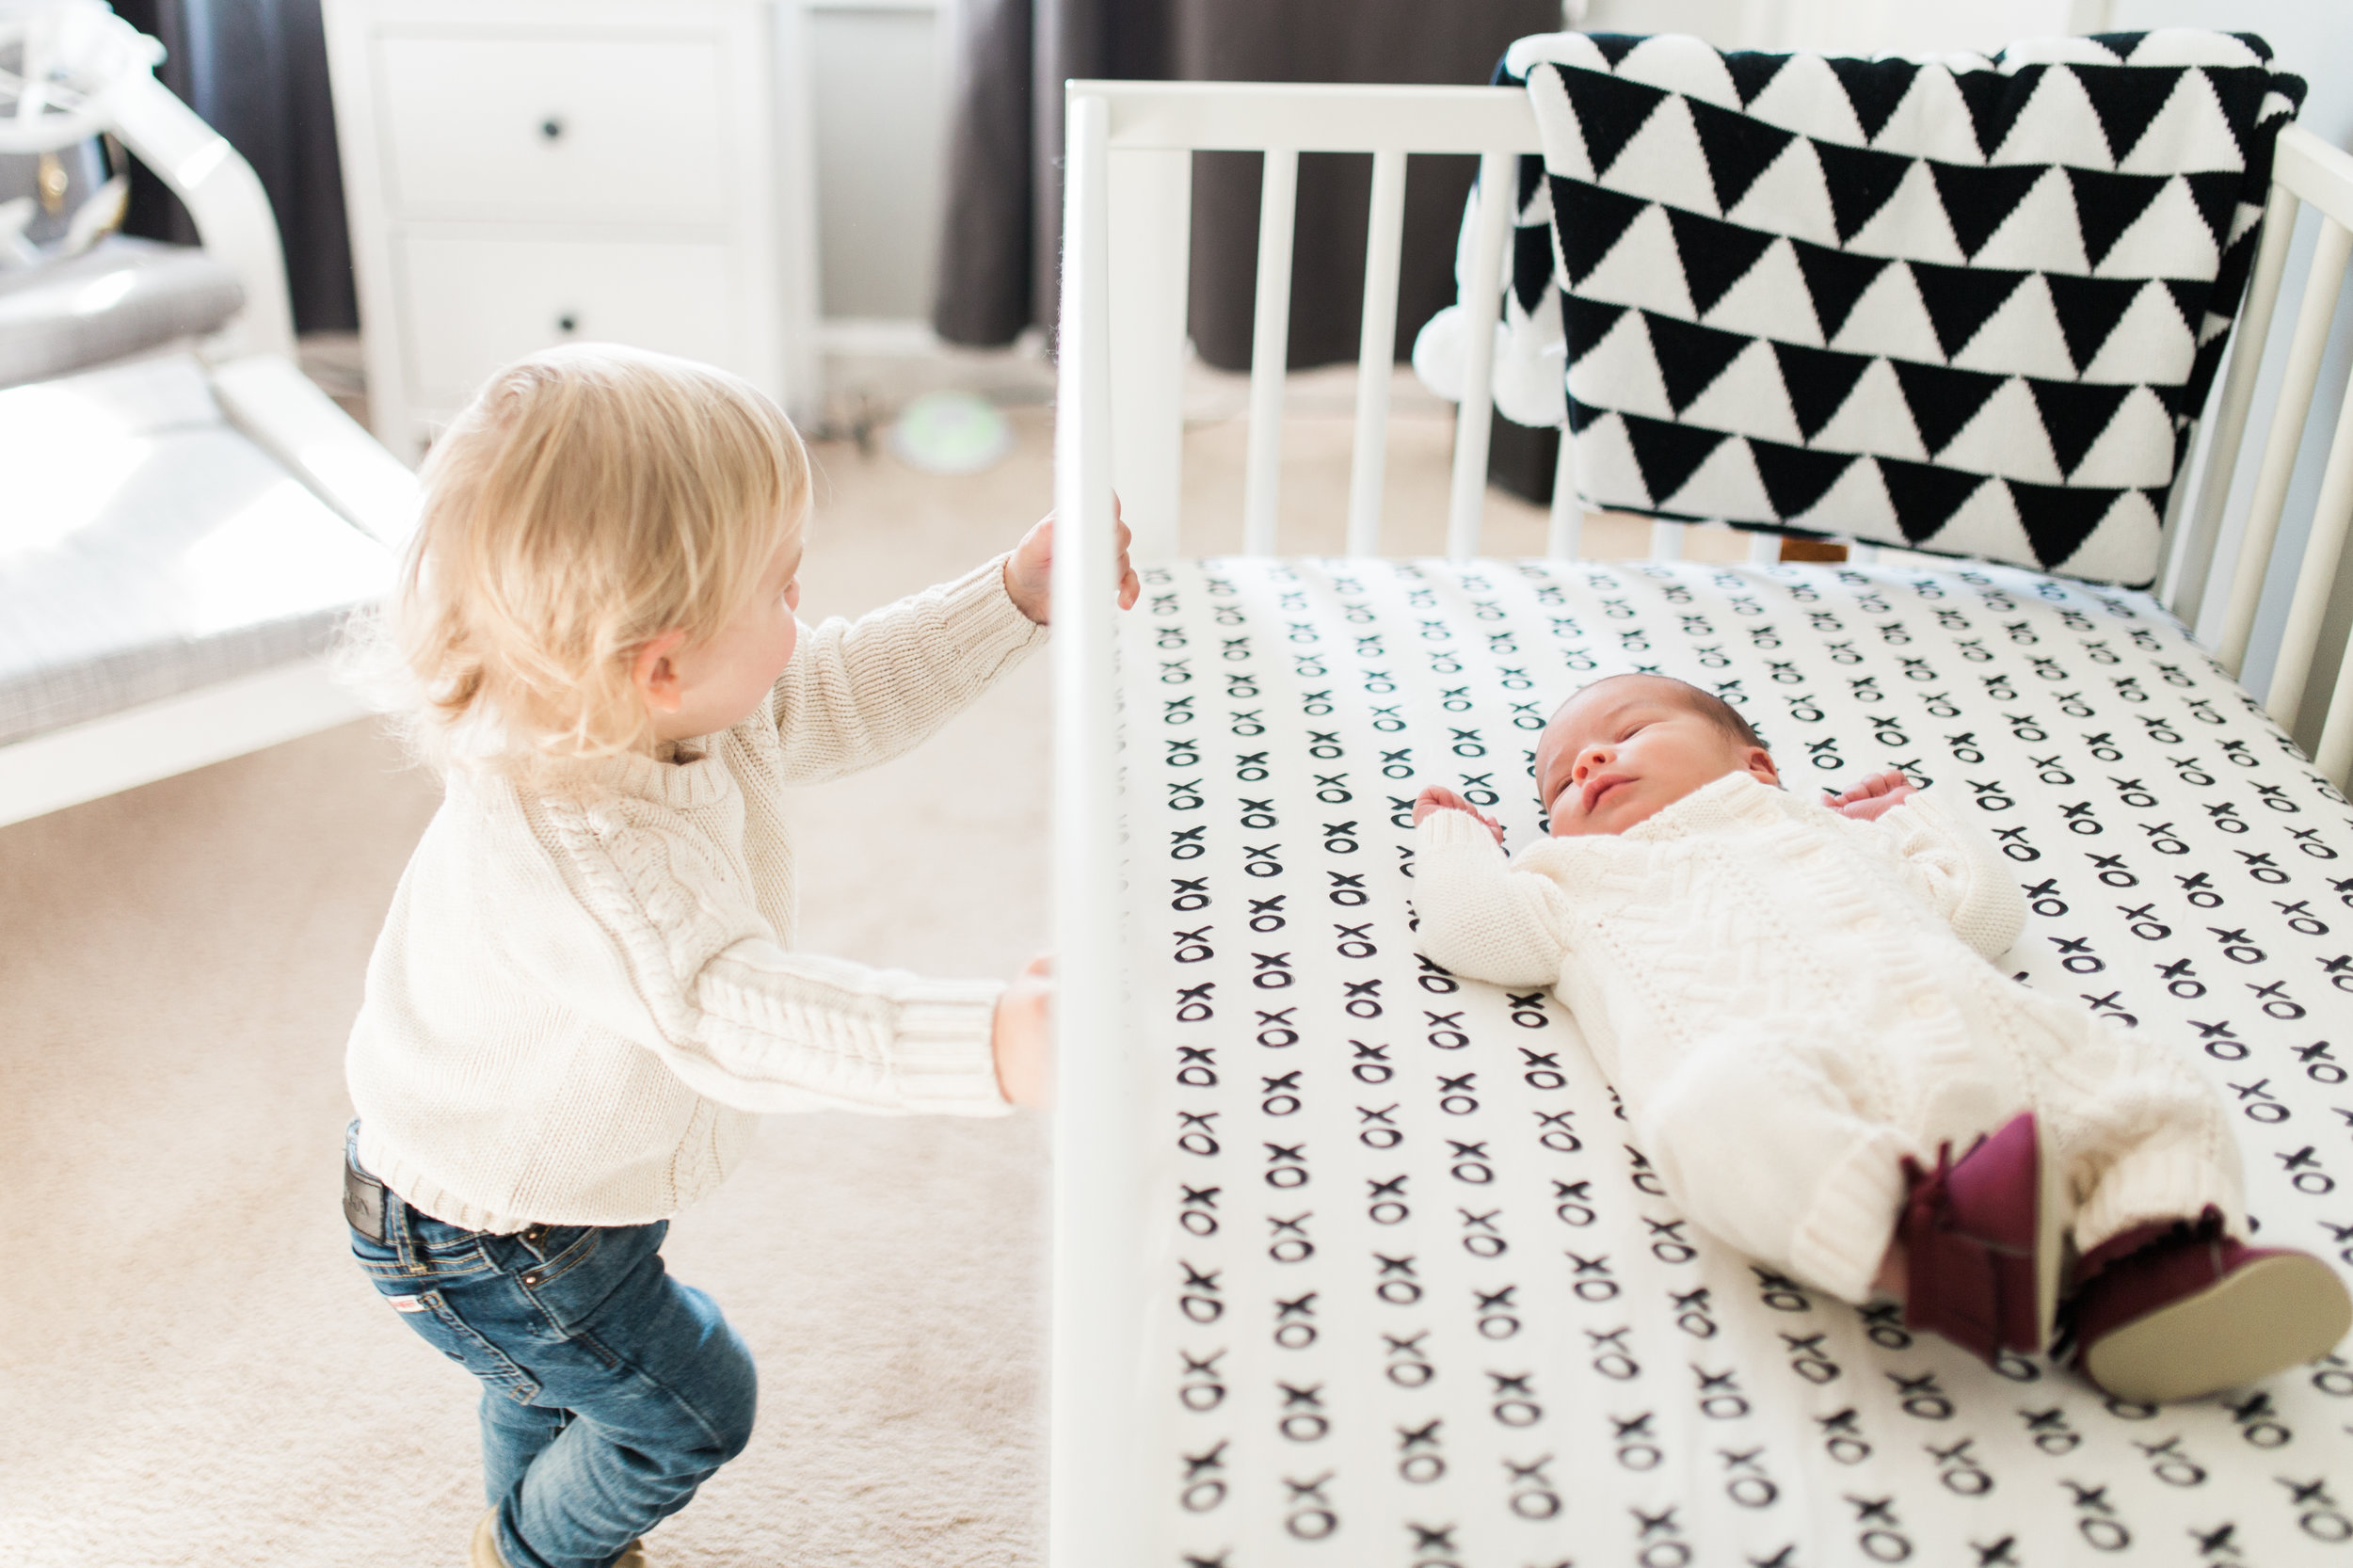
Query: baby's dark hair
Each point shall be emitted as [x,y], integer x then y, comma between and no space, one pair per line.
[1722,714]
[1707,705]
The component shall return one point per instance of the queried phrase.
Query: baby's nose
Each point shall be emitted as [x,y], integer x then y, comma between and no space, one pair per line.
[1587,760]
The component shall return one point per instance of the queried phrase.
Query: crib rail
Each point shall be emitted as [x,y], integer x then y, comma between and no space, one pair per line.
[1151,131]
[1094,1501]
[2306,172]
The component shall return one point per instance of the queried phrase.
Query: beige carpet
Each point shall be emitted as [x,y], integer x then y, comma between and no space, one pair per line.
[190,1369]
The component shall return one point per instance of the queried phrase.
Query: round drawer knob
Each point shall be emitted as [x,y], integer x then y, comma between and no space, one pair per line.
[567,322]
[551,128]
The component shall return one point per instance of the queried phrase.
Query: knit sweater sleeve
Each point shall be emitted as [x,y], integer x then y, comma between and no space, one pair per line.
[859,692]
[1955,865]
[1479,917]
[704,982]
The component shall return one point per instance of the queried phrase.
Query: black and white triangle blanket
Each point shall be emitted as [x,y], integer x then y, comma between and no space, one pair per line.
[1970,305]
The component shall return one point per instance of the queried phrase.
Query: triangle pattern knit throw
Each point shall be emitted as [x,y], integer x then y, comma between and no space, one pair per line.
[1969,305]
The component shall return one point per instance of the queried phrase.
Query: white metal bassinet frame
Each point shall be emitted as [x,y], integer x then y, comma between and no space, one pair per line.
[253,374]
[1123,344]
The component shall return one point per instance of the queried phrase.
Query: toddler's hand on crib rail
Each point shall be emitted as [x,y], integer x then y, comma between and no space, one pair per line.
[1024,1037]
[1874,797]
[1029,571]
[1436,798]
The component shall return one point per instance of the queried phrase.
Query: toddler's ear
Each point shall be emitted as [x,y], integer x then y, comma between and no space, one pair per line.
[1758,764]
[655,674]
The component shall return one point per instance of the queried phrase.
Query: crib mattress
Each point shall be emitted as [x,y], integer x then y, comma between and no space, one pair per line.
[1419,1300]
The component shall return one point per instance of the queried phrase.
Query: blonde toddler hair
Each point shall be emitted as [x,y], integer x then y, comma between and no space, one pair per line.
[589,499]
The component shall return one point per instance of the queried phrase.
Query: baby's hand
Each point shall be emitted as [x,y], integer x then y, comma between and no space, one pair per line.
[1024,1037]
[1437,799]
[1874,797]
[1030,570]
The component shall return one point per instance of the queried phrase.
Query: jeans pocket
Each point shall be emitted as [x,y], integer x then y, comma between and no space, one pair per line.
[570,1271]
[563,1249]
[441,1327]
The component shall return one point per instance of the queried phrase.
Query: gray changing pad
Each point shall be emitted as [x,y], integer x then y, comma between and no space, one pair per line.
[148,549]
[120,297]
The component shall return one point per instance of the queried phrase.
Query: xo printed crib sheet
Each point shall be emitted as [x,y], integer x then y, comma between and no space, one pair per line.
[1417,1301]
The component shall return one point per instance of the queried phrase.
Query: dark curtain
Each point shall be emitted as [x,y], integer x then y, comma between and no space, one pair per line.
[256,71]
[1003,233]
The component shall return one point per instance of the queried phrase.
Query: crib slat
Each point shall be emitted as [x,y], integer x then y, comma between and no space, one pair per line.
[2176,509]
[2305,348]
[1094,1492]
[1151,230]
[2334,757]
[2316,575]
[1565,530]
[1666,542]
[1376,352]
[1861,554]
[2230,416]
[1482,298]
[1764,549]
[1270,351]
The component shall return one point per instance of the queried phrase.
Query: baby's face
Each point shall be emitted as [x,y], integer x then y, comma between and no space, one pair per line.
[1625,748]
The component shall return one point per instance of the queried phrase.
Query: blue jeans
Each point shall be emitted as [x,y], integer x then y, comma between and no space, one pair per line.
[610,1391]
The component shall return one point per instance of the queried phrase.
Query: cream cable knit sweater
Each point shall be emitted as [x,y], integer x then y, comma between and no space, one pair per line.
[1789,1002]
[579,1006]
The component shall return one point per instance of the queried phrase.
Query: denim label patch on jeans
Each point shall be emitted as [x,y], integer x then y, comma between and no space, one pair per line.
[363,1202]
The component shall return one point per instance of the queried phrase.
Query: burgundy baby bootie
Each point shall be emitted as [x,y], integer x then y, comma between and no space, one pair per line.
[2181,1310]
[1981,1239]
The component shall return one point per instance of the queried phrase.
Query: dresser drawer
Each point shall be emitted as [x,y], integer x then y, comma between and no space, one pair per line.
[592,129]
[470,304]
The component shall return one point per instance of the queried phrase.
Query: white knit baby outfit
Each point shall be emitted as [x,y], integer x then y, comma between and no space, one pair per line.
[1789,1002]
[580,1003]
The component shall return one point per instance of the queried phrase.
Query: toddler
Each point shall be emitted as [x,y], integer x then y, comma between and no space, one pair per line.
[586,992]
[1794,1002]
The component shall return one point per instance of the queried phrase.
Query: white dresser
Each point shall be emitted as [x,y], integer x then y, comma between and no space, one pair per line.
[521,173]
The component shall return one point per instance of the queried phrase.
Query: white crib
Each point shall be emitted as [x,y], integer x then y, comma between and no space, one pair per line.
[1113,1495]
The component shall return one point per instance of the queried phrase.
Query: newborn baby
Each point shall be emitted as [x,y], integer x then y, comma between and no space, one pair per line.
[1795,1004]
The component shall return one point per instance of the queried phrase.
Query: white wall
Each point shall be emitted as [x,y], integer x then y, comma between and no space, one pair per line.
[1860,26]
[879,78]
[880,73]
